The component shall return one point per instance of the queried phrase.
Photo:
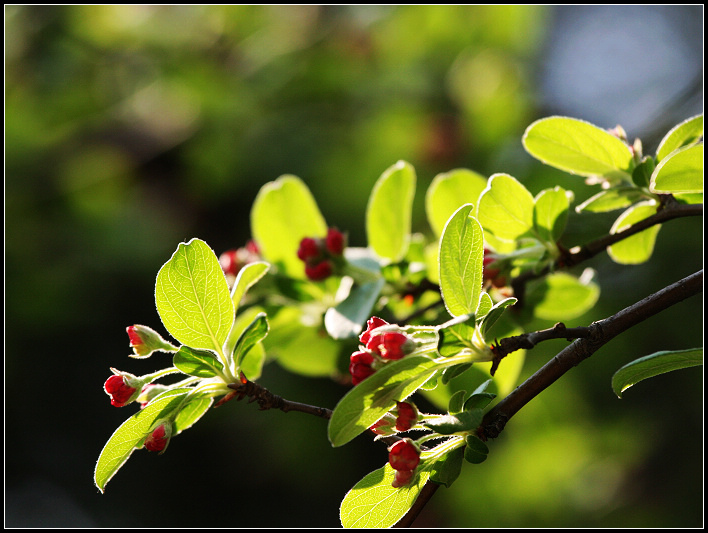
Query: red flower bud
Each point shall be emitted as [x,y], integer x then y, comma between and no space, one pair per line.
[360,366]
[385,426]
[232,261]
[404,455]
[119,390]
[403,478]
[407,416]
[159,437]
[309,249]
[392,345]
[371,324]
[319,271]
[335,241]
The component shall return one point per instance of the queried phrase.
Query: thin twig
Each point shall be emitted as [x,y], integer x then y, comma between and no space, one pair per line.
[267,400]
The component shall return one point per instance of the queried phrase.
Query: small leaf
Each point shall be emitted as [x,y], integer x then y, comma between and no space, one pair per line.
[641,175]
[611,199]
[199,363]
[447,469]
[485,305]
[506,207]
[448,191]
[190,413]
[687,133]
[654,365]
[639,247]
[561,296]
[192,297]
[460,262]
[371,399]
[345,320]
[480,398]
[476,450]
[246,278]
[388,213]
[456,335]
[457,402]
[680,172]
[550,214]
[254,333]
[578,147]
[495,313]
[283,213]
[375,503]
[131,432]
[454,423]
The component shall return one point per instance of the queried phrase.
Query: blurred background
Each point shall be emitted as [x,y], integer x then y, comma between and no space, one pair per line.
[129,129]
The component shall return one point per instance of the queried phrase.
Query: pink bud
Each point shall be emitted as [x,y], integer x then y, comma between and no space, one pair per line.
[319,271]
[335,241]
[360,366]
[309,249]
[371,324]
[404,455]
[119,390]
[392,345]
[407,416]
[403,478]
[159,438]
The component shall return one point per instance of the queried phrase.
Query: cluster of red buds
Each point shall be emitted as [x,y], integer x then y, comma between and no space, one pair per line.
[232,261]
[404,457]
[321,255]
[491,273]
[378,349]
[402,418]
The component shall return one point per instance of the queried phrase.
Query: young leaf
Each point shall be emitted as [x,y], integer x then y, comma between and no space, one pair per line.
[506,207]
[367,402]
[639,247]
[480,398]
[190,413]
[641,175]
[456,336]
[254,333]
[654,365]
[495,313]
[476,450]
[345,320]
[687,133]
[453,423]
[560,296]
[457,402]
[192,297]
[375,503]
[131,432]
[550,214]
[199,363]
[578,147]
[611,199]
[460,262]
[447,469]
[246,278]
[680,172]
[388,214]
[283,213]
[448,191]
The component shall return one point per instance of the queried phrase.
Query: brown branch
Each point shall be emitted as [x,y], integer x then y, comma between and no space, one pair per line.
[267,400]
[600,333]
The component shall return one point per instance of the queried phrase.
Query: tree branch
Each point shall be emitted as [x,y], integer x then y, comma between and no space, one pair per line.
[268,400]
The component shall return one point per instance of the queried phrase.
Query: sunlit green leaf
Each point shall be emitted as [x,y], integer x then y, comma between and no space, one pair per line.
[495,313]
[388,213]
[639,247]
[641,175]
[611,199]
[506,207]
[368,401]
[193,299]
[654,365]
[374,503]
[448,191]
[255,332]
[190,413]
[283,213]
[131,432]
[680,172]
[452,423]
[460,262]
[447,469]
[560,296]
[550,214]
[578,147]
[246,278]
[686,133]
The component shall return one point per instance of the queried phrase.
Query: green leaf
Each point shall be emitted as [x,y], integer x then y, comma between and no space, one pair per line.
[448,191]
[480,398]
[687,133]
[199,363]
[506,207]
[654,365]
[641,175]
[132,432]
[254,333]
[578,147]
[611,199]
[447,469]
[345,320]
[460,262]
[457,402]
[388,214]
[283,213]
[680,172]
[476,450]
[453,423]
[495,313]
[374,503]
[192,297]
[550,214]
[368,401]
[190,413]
[456,336]
[485,305]
[639,247]
[560,296]
[248,276]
